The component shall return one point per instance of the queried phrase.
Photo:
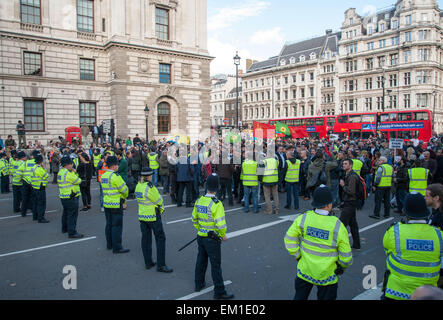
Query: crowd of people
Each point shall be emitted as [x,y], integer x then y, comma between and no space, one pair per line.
[350,170]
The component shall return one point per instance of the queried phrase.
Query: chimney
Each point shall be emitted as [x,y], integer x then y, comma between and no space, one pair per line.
[249,63]
[240,72]
[328,31]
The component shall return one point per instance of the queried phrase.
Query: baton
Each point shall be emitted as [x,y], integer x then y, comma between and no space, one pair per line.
[187,244]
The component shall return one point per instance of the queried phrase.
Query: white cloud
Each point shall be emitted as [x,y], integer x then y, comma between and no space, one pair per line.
[225,17]
[265,37]
[369,9]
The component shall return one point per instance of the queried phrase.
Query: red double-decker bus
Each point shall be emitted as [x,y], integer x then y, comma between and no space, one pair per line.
[414,124]
[316,127]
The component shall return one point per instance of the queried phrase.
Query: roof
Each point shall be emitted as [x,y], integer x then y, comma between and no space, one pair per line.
[234,90]
[289,52]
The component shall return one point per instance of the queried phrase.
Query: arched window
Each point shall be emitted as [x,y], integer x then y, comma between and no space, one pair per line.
[164,118]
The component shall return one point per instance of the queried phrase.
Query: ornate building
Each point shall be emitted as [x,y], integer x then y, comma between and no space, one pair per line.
[73,61]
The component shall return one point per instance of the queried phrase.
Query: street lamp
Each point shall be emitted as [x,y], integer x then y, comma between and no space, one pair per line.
[146,117]
[237,63]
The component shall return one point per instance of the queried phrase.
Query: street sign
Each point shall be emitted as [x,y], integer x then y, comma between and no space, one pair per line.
[107,126]
[396,144]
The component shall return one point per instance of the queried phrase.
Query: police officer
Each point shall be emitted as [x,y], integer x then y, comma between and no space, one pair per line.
[418,178]
[382,188]
[270,184]
[69,186]
[150,208]
[292,178]
[249,178]
[114,193]
[414,251]
[39,181]
[320,244]
[208,218]
[28,199]
[17,182]
[4,172]
[96,157]
[153,164]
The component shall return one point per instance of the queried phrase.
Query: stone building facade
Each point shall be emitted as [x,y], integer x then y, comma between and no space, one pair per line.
[65,62]
[231,107]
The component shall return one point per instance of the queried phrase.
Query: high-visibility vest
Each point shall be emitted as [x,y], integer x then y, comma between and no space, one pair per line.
[249,173]
[114,189]
[39,177]
[414,252]
[29,165]
[153,163]
[96,160]
[293,172]
[75,161]
[418,180]
[357,165]
[148,199]
[4,167]
[270,174]
[68,183]
[17,173]
[209,215]
[319,243]
[386,176]
[102,171]
[111,153]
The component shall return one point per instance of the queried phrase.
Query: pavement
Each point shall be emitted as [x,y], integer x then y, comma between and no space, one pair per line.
[255,263]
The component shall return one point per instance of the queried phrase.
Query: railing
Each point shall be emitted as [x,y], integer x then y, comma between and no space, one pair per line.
[167,43]
[31,27]
[86,36]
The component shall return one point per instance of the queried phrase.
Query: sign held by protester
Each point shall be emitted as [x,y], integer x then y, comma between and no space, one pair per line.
[396,144]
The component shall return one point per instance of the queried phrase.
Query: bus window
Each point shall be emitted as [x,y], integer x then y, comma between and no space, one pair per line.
[405,117]
[319,122]
[314,135]
[296,122]
[354,119]
[309,122]
[354,134]
[384,117]
[368,118]
[403,135]
[392,117]
[331,122]
[421,116]
[342,119]
[367,135]
[384,135]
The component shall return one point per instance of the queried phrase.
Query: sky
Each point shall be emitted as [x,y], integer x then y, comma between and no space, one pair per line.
[258,29]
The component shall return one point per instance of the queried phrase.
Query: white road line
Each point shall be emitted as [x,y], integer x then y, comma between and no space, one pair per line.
[370,294]
[375,224]
[45,247]
[18,215]
[204,291]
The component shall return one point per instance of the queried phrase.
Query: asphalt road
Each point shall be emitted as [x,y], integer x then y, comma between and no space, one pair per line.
[255,263]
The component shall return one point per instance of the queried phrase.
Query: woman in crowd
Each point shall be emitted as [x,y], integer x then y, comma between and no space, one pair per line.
[85,173]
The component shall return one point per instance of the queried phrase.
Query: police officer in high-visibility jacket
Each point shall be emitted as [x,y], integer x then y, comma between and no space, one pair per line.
[17,181]
[154,165]
[270,184]
[150,209]
[4,173]
[208,218]
[292,178]
[114,193]
[39,181]
[28,199]
[69,187]
[96,157]
[414,251]
[250,182]
[382,188]
[320,243]
[418,179]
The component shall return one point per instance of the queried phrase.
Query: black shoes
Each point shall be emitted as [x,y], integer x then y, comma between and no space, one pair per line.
[85,209]
[287,207]
[225,296]
[374,217]
[76,236]
[150,265]
[43,221]
[122,250]
[164,269]
[199,288]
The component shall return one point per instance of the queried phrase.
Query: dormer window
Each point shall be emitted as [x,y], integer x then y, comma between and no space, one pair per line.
[283,62]
[302,58]
[312,56]
[382,27]
[292,60]
[351,21]
[395,24]
[370,30]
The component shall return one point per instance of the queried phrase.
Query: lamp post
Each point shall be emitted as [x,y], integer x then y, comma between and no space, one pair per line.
[237,63]
[434,94]
[146,118]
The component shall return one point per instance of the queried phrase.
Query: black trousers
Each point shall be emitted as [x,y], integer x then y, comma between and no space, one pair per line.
[174,186]
[226,187]
[5,183]
[156,227]
[69,216]
[17,197]
[85,189]
[181,189]
[54,180]
[281,180]
[382,194]
[349,218]
[236,182]
[303,289]
[209,248]
[114,228]
[27,197]
[40,204]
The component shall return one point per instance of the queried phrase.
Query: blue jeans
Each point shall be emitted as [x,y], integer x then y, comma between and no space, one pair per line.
[155,177]
[368,180]
[254,191]
[292,190]
[101,196]
[400,195]
[334,189]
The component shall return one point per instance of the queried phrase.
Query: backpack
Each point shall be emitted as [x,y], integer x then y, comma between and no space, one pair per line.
[362,193]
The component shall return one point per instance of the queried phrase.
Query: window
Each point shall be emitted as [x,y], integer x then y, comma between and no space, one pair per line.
[394,59]
[405,116]
[85,15]
[32,64]
[311,75]
[302,77]
[294,79]
[30,11]
[165,73]
[164,118]
[354,118]
[342,119]
[312,110]
[393,80]
[351,107]
[368,83]
[302,58]
[382,27]
[381,61]
[368,104]
[408,36]
[407,101]
[286,95]
[88,113]
[370,30]
[278,95]
[379,82]
[383,43]
[34,115]
[294,94]
[393,102]
[370,45]
[370,63]
[269,95]
[408,19]
[311,90]
[162,24]
[407,78]
[87,69]
[302,91]
[421,116]
[395,24]
[395,41]
[407,56]
[422,100]
[423,54]
[286,80]
[368,118]
[351,20]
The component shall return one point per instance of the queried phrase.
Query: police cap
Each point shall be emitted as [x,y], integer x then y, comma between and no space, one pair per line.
[111,161]
[66,160]
[146,171]
[415,206]
[213,183]
[322,197]
[38,159]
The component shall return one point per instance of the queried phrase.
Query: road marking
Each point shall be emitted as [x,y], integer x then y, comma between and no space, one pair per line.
[45,247]
[17,216]
[204,291]
[375,224]
[370,294]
